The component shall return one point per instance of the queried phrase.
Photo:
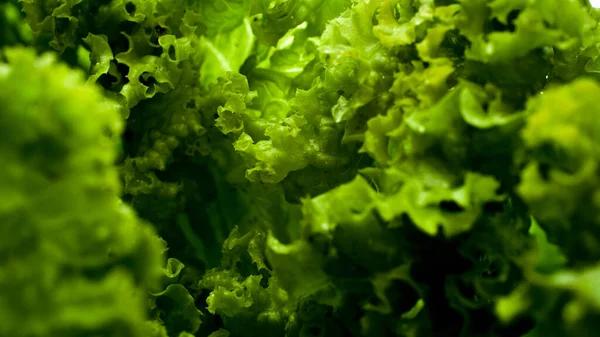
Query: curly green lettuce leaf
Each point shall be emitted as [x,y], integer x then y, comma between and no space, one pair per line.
[298,268]
[559,181]
[273,19]
[275,142]
[548,256]
[54,20]
[292,53]
[172,304]
[529,26]
[243,292]
[356,259]
[220,16]
[220,55]
[286,130]
[138,48]
[227,38]
[357,64]
[13,29]
[564,303]
[176,309]
[76,260]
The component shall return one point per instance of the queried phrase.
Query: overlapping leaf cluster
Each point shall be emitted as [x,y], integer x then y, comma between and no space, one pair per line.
[315,167]
[75,260]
